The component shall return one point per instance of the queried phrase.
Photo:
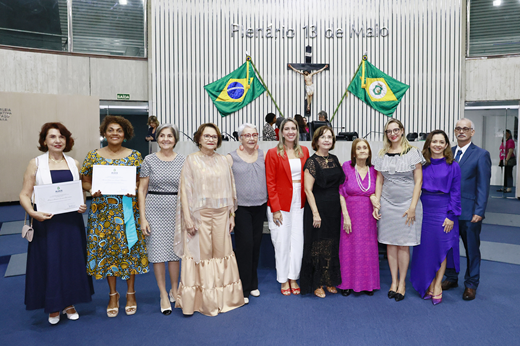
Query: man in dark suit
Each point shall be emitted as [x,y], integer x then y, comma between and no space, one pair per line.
[475,168]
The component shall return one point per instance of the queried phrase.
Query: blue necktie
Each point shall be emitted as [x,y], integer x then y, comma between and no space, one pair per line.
[457,157]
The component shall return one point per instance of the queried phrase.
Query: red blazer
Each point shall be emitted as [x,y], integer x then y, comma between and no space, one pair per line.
[279,180]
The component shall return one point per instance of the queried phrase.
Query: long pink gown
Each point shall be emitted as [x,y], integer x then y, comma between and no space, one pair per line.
[358,252]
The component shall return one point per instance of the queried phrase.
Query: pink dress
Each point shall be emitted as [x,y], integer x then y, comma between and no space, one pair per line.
[358,252]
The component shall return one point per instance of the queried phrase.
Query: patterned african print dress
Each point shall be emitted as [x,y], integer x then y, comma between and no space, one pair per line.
[107,246]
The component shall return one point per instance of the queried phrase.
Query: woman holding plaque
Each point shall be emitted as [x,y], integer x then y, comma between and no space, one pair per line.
[56,258]
[116,246]
[158,188]
[210,282]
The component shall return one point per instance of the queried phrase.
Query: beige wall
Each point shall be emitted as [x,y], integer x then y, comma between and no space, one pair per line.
[19,133]
[493,79]
[58,74]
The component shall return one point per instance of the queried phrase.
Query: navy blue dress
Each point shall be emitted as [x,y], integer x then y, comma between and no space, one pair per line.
[56,274]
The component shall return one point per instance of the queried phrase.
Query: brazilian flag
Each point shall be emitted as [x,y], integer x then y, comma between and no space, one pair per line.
[236,90]
[377,89]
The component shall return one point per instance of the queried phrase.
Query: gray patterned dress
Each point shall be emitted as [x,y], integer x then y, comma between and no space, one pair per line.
[161,205]
[396,197]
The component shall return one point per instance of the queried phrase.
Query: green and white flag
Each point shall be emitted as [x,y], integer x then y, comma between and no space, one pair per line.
[377,89]
[236,90]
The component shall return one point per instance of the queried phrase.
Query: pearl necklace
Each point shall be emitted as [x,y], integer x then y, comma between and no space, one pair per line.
[360,181]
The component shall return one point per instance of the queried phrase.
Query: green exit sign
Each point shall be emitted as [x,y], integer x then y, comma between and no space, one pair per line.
[123,96]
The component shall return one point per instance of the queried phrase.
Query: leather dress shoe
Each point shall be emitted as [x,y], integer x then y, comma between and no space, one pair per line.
[469,293]
[345,293]
[446,285]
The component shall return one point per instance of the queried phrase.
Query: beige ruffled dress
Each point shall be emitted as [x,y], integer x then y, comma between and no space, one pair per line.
[210,281]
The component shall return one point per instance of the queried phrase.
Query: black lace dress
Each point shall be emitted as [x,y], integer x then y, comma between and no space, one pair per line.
[320,265]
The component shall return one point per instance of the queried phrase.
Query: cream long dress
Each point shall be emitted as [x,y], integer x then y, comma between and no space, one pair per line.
[210,281]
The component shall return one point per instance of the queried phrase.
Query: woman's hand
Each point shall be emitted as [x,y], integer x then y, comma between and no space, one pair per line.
[410,216]
[347,224]
[375,202]
[376,214]
[145,227]
[130,195]
[231,223]
[82,208]
[278,218]
[40,216]
[316,220]
[190,228]
[448,225]
[96,194]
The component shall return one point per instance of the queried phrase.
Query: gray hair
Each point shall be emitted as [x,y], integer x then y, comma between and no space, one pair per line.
[244,126]
[471,122]
[173,128]
[323,114]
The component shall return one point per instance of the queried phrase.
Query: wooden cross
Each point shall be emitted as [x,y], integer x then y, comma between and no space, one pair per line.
[308,67]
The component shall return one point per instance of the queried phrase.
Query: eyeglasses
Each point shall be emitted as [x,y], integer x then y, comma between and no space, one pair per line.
[249,135]
[394,131]
[464,129]
[208,137]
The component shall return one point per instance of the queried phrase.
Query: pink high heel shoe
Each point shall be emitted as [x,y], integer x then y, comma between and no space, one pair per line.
[436,300]
[428,295]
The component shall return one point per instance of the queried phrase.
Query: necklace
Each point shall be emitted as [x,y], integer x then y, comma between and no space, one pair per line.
[56,161]
[325,158]
[360,182]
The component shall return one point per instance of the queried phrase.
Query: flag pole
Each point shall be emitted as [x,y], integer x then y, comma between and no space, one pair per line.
[346,91]
[265,86]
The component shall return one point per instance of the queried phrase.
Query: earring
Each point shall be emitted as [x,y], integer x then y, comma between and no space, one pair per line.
[124,140]
[256,147]
[241,147]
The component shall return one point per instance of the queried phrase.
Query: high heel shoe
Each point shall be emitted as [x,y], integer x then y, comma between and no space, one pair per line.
[172,297]
[437,299]
[319,292]
[166,311]
[332,290]
[296,291]
[71,316]
[428,295]
[130,309]
[392,294]
[112,312]
[286,291]
[55,319]
[399,297]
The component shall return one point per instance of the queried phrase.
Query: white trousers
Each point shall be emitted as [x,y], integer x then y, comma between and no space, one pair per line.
[288,239]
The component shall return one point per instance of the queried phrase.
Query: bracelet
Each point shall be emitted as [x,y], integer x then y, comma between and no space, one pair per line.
[231,214]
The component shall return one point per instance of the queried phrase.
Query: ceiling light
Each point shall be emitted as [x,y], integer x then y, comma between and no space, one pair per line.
[125,2]
[495,2]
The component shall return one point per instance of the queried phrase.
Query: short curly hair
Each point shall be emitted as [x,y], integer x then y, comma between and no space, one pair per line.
[318,133]
[198,134]
[63,130]
[117,119]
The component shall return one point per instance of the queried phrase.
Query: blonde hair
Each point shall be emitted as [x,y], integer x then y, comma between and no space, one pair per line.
[280,148]
[405,145]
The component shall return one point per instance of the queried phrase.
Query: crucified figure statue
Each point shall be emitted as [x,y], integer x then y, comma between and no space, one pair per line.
[309,85]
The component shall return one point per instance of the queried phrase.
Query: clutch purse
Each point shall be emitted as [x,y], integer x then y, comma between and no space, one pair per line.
[27,230]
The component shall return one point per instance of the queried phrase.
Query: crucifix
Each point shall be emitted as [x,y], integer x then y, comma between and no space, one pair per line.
[308,70]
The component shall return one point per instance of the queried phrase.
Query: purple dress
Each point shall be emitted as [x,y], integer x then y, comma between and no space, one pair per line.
[441,199]
[358,252]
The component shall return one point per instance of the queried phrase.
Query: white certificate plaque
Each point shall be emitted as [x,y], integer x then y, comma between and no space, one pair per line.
[114,180]
[59,198]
